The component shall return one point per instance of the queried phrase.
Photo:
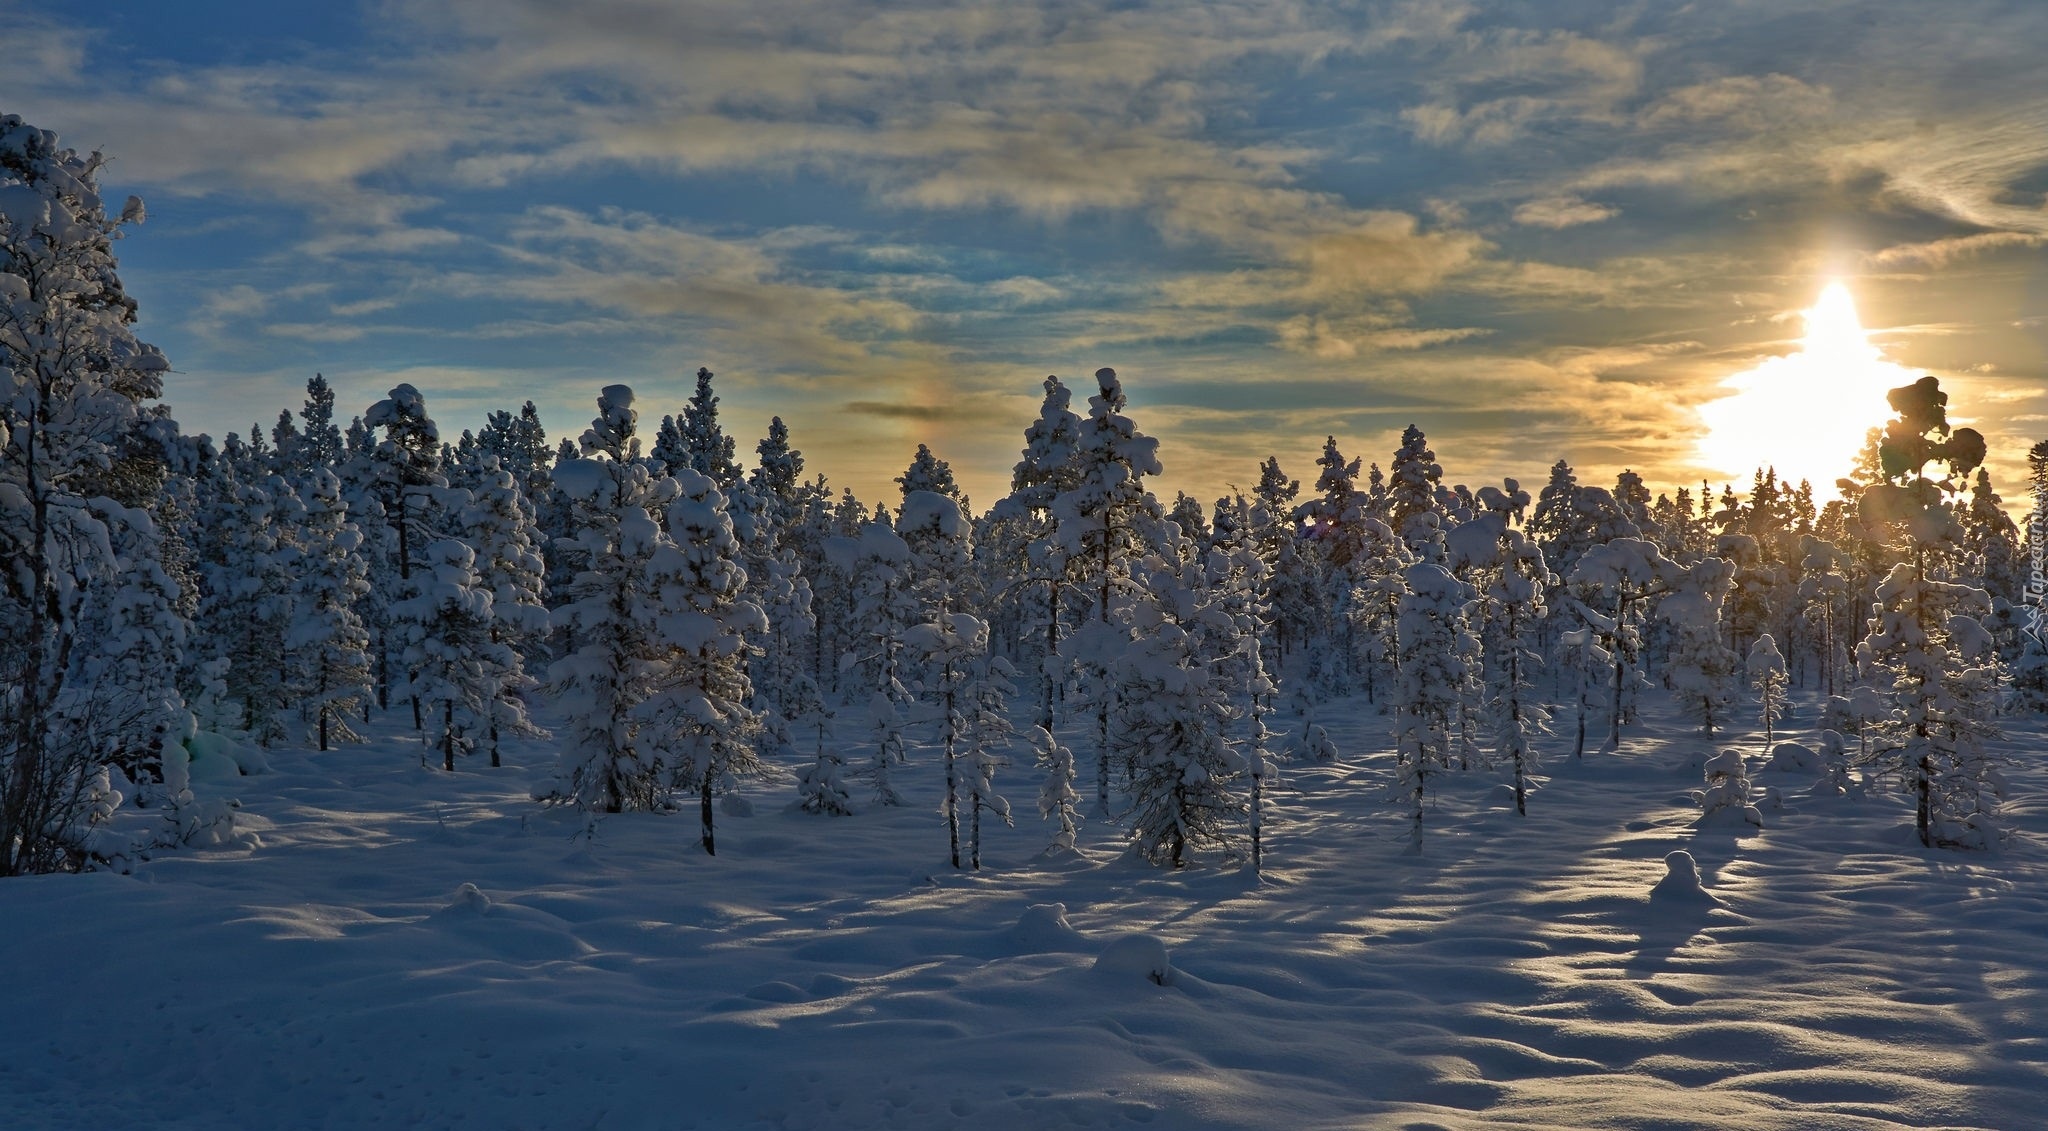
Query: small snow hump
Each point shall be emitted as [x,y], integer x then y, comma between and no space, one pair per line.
[1134,956]
[1681,882]
[1044,927]
[469,897]
[1794,758]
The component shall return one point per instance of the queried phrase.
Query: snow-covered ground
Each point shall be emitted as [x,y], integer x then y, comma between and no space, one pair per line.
[395,946]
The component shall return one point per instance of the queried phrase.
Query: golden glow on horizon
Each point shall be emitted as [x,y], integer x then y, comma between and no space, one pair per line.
[1805,414]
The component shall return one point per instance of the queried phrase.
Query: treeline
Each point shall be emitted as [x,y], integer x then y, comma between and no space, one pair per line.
[693,623]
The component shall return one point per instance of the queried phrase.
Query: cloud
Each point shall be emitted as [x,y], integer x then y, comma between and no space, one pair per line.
[1562,212]
[1746,102]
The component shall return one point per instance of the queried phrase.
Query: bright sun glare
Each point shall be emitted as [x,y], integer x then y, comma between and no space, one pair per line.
[1805,414]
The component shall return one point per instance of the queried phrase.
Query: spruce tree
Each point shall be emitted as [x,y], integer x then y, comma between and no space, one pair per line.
[327,650]
[1925,648]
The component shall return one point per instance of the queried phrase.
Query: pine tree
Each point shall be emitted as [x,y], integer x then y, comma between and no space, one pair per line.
[403,472]
[327,648]
[1433,674]
[1171,725]
[457,669]
[1702,668]
[969,692]
[75,378]
[778,475]
[1100,540]
[696,719]
[1925,648]
[1511,578]
[1766,668]
[609,672]
[521,445]
[1612,584]
[1412,507]
[706,449]
[1056,797]
[1020,550]
[248,611]
[502,528]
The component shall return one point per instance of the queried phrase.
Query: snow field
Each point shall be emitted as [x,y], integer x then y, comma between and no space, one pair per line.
[402,947]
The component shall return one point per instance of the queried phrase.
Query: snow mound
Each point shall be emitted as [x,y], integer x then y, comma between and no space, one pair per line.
[1136,956]
[1681,882]
[1044,927]
[470,898]
[1794,758]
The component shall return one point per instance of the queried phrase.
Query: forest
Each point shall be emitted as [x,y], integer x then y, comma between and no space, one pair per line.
[692,625]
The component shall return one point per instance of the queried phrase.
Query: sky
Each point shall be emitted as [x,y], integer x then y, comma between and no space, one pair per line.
[1537,231]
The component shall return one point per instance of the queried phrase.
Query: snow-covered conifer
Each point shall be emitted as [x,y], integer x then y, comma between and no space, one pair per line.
[1171,723]
[72,379]
[1925,649]
[248,610]
[327,649]
[1701,670]
[1725,801]
[1612,584]
[1412,507]
[885,730]
[1510,565]
[1056,797]
[1031,566]
[1766,667]
[706,448]
[612,659]
[456,668]
[778,475]
[1433,674]
[969,691]
[695,719]
[1100,538]
[501,526]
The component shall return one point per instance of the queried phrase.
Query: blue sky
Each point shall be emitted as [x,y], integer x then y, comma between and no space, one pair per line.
[1538,231]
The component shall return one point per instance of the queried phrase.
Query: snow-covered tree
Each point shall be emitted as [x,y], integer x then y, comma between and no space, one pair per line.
[327,648]
[72,379]
[1056,797]
[457,669]
[1433,675]
[1510,565]
[1171,723]
[1926,649]
[695,719]
[609,669]
[521,445]
[501,526]
[1766,667]
[1030,565]
[969,691]
[700,442]
[885,731]
[1100,539]
[1582,656]
[877,563]
[1612,584]
[248,609]
[778,475]
[403,470]
[1412,506]
[1725,801]
[1702,668]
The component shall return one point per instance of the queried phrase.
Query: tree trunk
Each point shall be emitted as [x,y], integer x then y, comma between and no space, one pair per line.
[704,810]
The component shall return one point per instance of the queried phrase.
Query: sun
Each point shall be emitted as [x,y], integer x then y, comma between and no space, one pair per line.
[1805,414]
